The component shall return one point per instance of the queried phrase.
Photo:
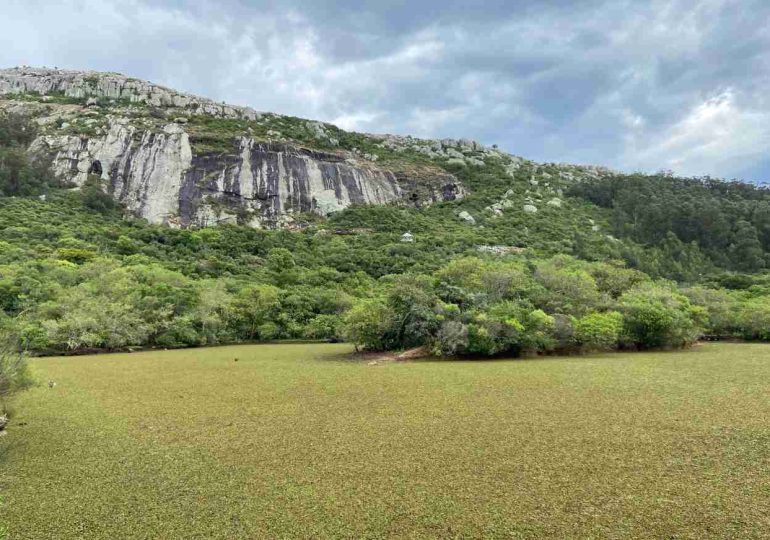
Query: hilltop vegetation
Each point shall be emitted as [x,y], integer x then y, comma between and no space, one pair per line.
[76,273]
[729,222]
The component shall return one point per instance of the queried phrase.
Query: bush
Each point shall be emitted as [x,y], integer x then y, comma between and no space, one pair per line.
[753,320]
[14,371]
[405,317]
[599,331]
[75,255]
[368,323]
[656,316]
[413,306]
[724,310]
[451,339]
[501,329]
[325,326]
[569,288]
[252,309]
[95,196]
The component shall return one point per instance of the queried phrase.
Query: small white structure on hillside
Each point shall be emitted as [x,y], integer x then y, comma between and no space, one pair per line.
[407,237]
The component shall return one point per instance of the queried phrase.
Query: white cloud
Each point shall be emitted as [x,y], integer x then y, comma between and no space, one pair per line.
[716,134]
[636,85]
[358,121]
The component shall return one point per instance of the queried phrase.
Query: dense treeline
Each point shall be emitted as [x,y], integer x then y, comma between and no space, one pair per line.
[472,305]
[727,223]
[76,273]
[486,307]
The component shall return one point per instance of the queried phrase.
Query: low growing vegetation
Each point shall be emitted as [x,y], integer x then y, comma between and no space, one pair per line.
[295,441]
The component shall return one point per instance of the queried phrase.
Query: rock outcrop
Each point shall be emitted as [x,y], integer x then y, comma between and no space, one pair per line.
[95,84]
[156,176]
[154,171]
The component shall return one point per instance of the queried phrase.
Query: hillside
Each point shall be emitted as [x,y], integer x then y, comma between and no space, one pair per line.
[506,255]
[181,160]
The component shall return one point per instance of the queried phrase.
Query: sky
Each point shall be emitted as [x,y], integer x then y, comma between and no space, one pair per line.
[633,85]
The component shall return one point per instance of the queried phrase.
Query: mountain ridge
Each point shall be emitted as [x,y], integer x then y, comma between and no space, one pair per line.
[184,160]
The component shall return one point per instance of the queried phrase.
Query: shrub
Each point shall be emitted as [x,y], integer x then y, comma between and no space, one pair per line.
[753,319]
[368,323]
[614,279]
[656,316]
[413,305]
[451,339]
[569,288]
[14,371]
[181,332]
[95,196]
[539,331]
[125,246]
[599,331]
[564,331]
[724,309]
[500,329]
[75,255]
[324,326]
[252,308]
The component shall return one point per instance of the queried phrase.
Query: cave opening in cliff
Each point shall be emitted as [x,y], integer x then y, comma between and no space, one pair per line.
[96,168]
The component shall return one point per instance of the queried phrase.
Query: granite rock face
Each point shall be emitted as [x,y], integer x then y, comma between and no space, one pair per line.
[94,84]
[157,175]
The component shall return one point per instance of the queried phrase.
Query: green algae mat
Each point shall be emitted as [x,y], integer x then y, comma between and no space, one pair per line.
[298,441]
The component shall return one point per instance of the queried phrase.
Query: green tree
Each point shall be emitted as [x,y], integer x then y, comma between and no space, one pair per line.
[253,309]
[95,196]
[746,250]
[599,331]
[753,319]
[368,323]
[412,303]
[569,287]
[657,316]
[281,266]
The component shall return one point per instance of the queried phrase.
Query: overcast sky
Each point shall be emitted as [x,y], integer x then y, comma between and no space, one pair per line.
[635,85]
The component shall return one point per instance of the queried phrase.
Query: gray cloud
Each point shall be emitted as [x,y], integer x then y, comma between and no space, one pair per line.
[635,85]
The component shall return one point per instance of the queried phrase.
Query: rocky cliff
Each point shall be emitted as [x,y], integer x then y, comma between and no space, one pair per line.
[156,175]
[88,84]
[187,161]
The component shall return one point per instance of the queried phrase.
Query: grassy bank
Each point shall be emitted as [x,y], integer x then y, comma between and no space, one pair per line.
[296,441]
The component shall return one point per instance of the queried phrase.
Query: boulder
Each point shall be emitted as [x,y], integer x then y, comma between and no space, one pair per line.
[465,216]
[474,161]
[530,208]
[501,250]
